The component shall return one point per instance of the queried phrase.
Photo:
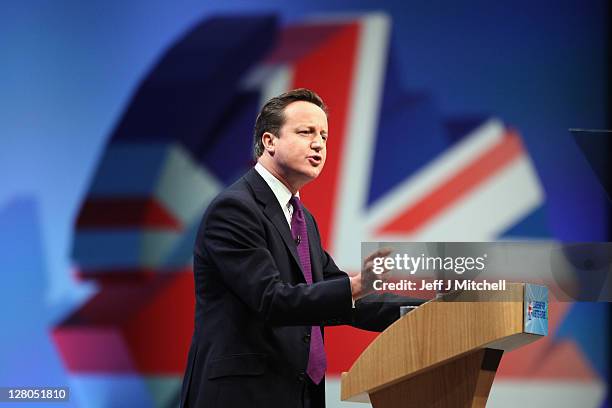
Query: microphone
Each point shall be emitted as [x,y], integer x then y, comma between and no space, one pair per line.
[297,240]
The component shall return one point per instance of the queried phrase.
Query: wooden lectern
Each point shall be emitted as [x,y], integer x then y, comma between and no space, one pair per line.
[445,353]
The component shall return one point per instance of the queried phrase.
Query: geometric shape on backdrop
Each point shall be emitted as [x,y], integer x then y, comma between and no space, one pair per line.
[129,328]
[596,146]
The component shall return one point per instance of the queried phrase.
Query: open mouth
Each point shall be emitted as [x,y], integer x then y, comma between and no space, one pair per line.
[315,159]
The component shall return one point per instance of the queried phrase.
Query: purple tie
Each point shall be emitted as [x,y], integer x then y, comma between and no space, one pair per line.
[317,363]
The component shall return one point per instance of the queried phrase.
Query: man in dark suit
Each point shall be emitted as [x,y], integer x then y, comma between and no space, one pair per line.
[264,285]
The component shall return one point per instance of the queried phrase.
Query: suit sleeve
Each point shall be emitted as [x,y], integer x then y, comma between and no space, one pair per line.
[374,312]
[232,237]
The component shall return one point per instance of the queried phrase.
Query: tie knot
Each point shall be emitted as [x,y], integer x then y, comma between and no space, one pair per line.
[295,202]
[297,209]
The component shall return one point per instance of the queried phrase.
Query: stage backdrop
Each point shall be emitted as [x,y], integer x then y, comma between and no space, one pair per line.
[121,122]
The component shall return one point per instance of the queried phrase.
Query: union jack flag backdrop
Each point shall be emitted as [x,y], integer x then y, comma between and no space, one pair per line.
[397,170]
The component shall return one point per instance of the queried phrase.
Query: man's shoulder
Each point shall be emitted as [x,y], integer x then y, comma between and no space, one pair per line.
[232,210]
[239,191]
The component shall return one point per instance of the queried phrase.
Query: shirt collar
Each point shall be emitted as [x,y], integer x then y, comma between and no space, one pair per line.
[282,193]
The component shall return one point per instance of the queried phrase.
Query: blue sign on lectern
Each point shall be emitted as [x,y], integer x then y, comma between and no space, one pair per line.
[536,309]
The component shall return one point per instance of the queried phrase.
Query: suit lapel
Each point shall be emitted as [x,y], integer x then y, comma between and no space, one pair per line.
[273,211]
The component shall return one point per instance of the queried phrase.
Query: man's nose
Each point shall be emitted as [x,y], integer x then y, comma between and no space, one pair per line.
[317,143]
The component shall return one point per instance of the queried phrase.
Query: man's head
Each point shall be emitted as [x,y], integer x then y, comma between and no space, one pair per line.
[290,137]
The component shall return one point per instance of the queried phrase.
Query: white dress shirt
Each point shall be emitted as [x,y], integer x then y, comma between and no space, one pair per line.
[281,192]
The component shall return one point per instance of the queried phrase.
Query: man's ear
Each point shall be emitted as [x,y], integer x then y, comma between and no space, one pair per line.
[268,140]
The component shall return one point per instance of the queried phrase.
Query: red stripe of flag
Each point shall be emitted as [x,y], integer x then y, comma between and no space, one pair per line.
[458,186]
[126,212]
[120,276]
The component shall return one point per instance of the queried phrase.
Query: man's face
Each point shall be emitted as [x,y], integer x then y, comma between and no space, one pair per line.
[299,151]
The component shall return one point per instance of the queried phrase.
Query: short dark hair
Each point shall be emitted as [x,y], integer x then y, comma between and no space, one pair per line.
[271,117]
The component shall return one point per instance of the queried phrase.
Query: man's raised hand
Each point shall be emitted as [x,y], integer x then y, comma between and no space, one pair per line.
[362,284]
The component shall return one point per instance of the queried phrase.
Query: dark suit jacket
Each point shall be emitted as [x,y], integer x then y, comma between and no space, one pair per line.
[254,310]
